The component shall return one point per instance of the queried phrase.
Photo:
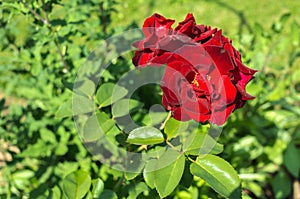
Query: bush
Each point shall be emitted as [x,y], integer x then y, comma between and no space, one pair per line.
[44,44]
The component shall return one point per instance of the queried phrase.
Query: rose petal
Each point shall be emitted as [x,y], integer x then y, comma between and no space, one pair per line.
[221,59]
[157,24]
[186,27]
[220,117]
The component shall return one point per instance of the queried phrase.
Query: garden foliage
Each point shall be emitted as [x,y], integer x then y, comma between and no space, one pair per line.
[43,45]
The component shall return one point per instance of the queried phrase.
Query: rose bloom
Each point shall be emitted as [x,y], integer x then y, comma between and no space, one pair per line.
[204,79]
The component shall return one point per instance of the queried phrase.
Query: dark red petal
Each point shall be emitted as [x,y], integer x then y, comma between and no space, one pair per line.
[164,58]
[180,66]
[244,68]
[141,58]
[242,74]
[180,114]
[205,35]
[156,23]
[169,97]
[187,26]
[226,92]
[244,94]
[220,117]
[221,59]
[229,89]
[217,39]
[195,55]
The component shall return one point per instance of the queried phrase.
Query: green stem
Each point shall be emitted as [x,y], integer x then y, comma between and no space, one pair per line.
[171,145]
[162,126]
[118,184]
[190,159]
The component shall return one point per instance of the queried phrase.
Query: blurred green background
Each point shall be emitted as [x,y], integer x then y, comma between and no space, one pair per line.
[43,44]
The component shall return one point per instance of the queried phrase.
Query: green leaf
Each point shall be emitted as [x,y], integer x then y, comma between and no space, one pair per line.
[47,136]
[157,116]
[61,149]
[284,18]
[76,184]
[96,126]
[219,174]
[275,152]
[218,148]
[54,193]
[137,190]
[21,178]
[65,110]
[109,93]
[134,166]
[281,185]
[125,106]
[86,87]
[148,172]
[145,135]
[166,178]
[292,160]
[201,143]
[248,146]
[108,194]
[173,127]
[98,187]
[82,104]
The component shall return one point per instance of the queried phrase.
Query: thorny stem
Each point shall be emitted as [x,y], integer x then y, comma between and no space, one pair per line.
[47,23]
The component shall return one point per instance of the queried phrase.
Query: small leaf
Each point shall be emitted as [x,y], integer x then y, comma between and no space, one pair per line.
[281,185]
[125,106]
[61,149]
[134,166]
[108,194]
[200,143]
[219,174]
[145,135]
[284,18]
[76,184]
[96,126]
[86,87]
[81,104]
[168,177]
[47,136]
[173,127]
[109,93]
[292,160]
[54,193]
[137,190]
[98,187]
[65,110]
[148,172]
[157,114]
[21,178]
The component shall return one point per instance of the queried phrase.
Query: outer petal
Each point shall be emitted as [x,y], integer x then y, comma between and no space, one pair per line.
[221,58]
[179,114]
[187,26]
[142,58]
[157,24]
[220,117]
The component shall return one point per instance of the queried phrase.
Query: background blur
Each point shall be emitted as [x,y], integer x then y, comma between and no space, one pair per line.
[43,43]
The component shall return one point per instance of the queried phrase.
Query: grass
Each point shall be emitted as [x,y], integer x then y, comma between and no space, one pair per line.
[231,16]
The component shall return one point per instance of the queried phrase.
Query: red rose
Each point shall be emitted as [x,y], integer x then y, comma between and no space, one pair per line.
[205,78]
